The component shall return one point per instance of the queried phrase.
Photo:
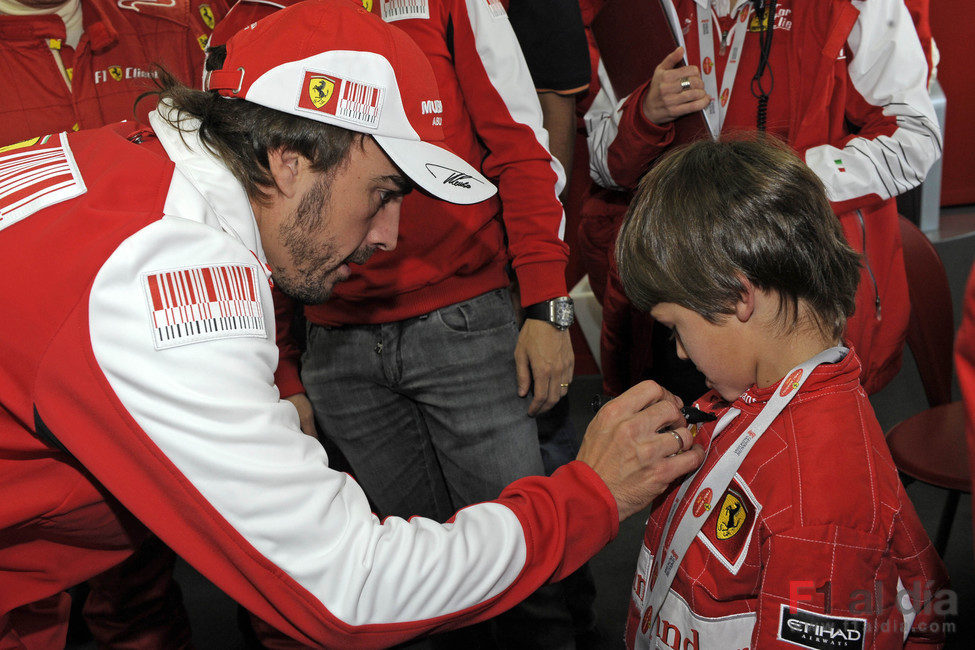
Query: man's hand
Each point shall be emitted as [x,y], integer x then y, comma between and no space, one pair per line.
[623,446]
[666,100]
[306,415]
[543,357]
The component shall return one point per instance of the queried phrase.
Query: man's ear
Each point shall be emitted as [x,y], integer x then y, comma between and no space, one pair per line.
[745,306]
[286,167]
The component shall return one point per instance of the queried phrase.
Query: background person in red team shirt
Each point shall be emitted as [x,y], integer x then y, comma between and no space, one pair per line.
[847,88]
[80,64]
[417,368]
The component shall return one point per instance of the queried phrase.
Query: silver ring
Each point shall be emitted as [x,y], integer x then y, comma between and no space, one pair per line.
[685,84]
[680,441]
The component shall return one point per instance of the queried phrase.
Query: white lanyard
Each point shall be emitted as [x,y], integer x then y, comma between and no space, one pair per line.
[718,108]
[719,478]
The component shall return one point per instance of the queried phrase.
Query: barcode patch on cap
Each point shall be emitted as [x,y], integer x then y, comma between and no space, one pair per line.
[345,99]
[359,103]
[204,303]
[402,9]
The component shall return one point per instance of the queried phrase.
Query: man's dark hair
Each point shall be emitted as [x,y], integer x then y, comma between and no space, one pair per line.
[241,133]
[713,213]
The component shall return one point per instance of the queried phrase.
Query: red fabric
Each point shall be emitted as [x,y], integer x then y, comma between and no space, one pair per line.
[817,111]
[131,36]
[955,77]
[965,366]
[816,508]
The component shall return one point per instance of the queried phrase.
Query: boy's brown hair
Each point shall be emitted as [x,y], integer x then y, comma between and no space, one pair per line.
[712,213]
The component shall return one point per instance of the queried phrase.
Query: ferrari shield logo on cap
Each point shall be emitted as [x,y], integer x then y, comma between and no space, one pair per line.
[320,90]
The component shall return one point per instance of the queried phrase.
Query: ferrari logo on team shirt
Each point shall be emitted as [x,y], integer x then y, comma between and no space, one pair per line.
[203,39]
[758,23]
[728,531]
[116,72]
[320,90]
[367,5]
[731,516]
[207,15]
[703,502]
[791,382]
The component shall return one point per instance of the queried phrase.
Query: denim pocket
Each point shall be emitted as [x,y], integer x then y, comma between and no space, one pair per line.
[486,312]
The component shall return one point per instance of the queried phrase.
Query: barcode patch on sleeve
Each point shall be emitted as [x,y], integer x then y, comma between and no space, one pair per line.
[402,9]
[204,303]
[35,175]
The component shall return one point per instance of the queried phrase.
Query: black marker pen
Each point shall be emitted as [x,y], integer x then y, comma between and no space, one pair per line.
[691,414]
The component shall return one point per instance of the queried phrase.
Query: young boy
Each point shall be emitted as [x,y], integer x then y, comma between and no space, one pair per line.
[796,531]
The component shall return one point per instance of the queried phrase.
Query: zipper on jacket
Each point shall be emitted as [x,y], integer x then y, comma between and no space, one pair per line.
[866,262]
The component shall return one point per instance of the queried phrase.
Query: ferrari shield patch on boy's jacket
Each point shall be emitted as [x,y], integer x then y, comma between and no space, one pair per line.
[728,531]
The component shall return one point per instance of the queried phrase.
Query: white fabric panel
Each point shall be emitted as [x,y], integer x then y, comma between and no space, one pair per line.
[889,70]
[498,48]
[602,124]
[212,408]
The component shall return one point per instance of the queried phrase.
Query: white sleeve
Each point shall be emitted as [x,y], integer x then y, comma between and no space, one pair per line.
[889,71]
[205,397]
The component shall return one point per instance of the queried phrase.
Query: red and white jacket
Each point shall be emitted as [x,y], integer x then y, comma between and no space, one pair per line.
[110,67]
[814,544]
[136,384]
[836,63]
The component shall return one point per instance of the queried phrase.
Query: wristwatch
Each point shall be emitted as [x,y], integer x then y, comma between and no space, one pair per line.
[558,311]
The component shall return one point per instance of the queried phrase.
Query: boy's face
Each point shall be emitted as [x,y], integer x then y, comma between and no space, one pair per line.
[720,351]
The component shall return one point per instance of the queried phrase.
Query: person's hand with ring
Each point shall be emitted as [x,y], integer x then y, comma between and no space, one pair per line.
[675,90]
[623,444]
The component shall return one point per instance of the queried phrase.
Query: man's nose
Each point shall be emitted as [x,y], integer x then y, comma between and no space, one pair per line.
[385,227]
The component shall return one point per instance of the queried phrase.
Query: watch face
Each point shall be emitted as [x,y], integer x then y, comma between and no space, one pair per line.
[564,312]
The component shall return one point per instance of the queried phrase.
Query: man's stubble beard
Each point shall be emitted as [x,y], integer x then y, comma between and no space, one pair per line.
[309,281]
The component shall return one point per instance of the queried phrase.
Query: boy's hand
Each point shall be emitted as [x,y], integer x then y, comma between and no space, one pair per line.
[623,446]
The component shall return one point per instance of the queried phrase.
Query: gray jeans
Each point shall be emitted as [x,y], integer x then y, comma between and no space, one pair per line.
[426,410]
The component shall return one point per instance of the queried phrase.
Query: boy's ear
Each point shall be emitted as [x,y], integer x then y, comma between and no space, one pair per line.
[745,306]
[285,167]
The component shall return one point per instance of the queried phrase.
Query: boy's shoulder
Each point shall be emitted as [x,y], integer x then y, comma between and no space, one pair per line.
[825,462]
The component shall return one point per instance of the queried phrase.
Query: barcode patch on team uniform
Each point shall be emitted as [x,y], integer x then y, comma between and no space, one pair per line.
[402,9]
[497,9]
[34,176]
[359,103]
[204,303]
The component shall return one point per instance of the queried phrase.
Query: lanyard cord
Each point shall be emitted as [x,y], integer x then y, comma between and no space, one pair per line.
[765,41]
